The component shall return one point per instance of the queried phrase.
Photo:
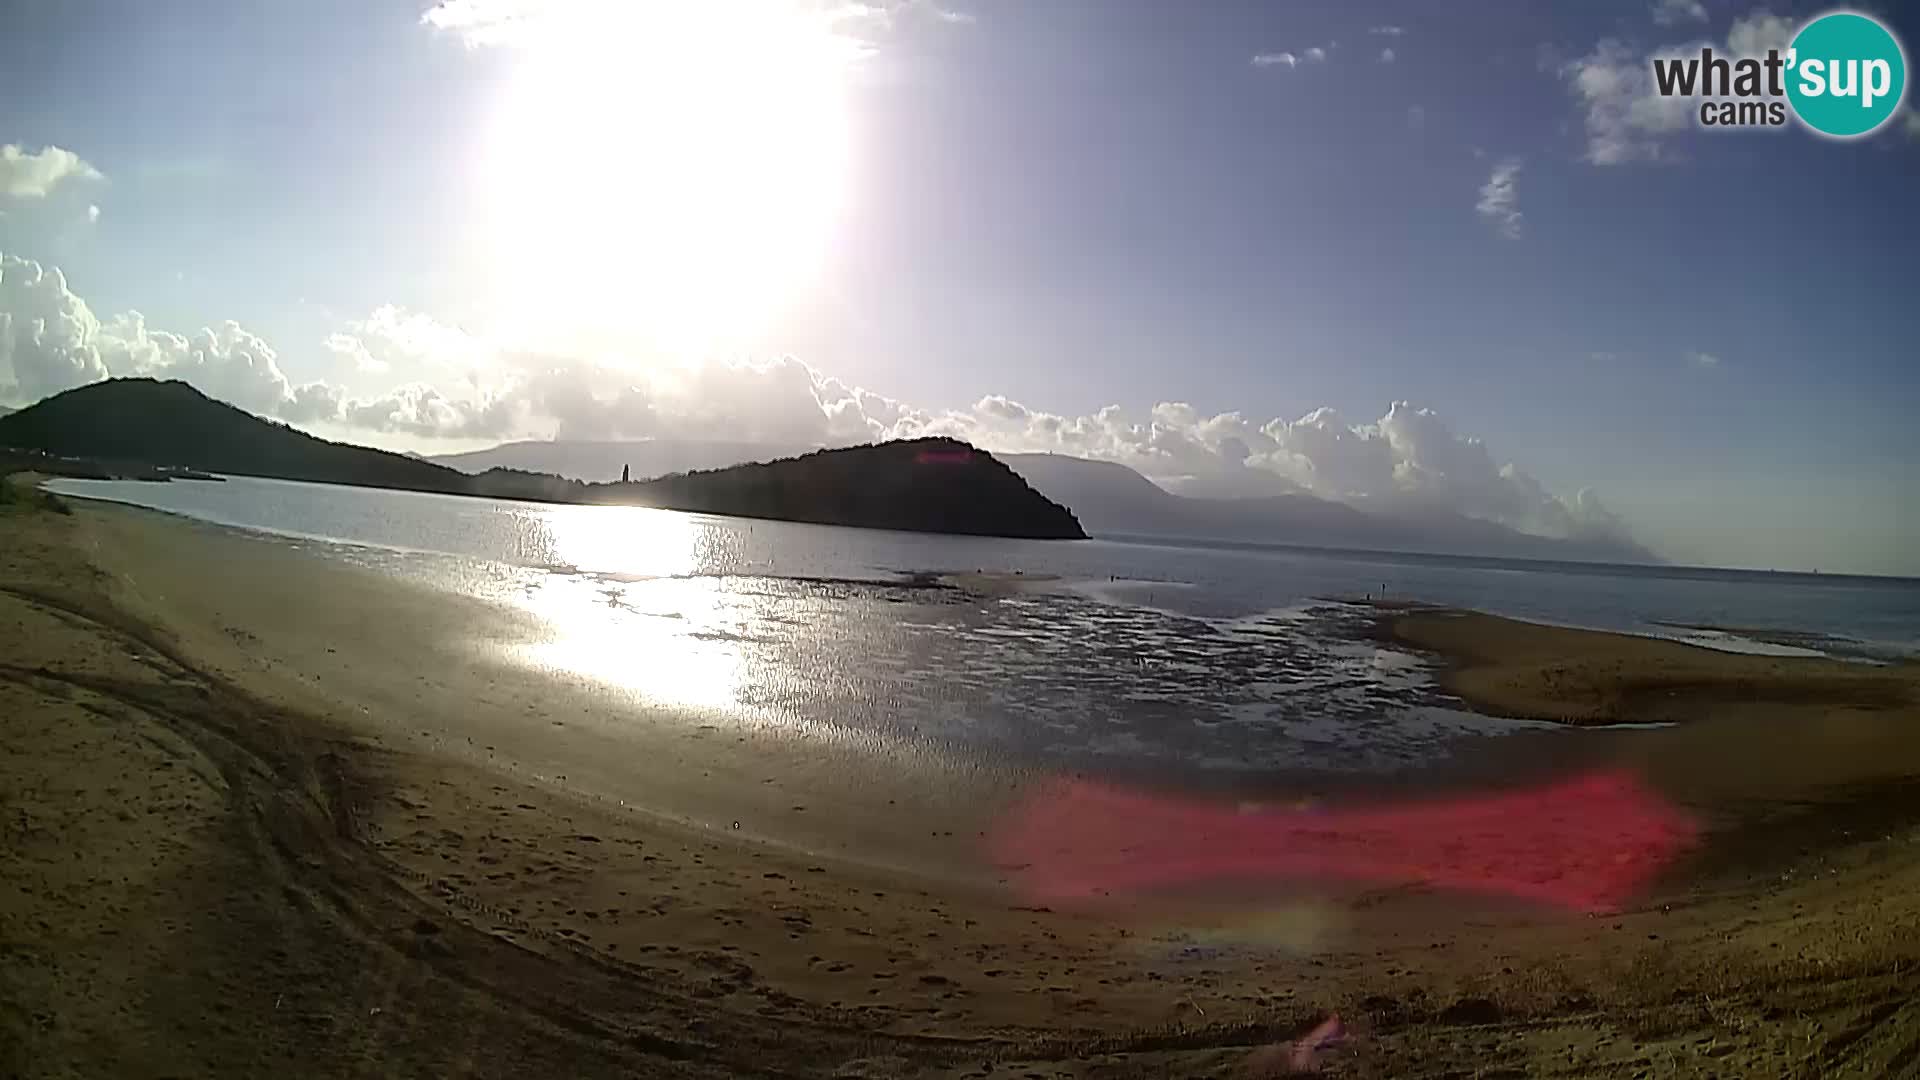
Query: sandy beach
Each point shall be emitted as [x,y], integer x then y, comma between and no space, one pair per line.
[267,812]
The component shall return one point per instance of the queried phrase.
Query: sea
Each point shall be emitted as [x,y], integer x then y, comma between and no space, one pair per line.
[1113,654]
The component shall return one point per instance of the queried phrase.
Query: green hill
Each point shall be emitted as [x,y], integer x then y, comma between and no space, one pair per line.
[146,422]
[922,485]
[919,485]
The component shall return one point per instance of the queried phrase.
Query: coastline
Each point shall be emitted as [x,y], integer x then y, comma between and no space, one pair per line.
[364,850]
[1579,677]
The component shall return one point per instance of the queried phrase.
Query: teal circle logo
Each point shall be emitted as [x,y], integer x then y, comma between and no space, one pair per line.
[1846,74]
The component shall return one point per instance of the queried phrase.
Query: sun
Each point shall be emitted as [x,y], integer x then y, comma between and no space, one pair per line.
[665,174]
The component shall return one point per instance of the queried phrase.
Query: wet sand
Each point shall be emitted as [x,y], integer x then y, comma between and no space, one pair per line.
[267,812]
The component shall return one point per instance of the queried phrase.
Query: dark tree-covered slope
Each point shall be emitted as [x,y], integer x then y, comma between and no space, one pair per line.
[146,422]
[924,485]
[920,485]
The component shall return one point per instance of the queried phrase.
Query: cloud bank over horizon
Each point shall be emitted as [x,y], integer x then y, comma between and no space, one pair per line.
[51,340]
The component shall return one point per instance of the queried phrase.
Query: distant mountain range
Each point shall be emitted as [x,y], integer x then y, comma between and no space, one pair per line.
[896,485]
[1113,500]
[925,485]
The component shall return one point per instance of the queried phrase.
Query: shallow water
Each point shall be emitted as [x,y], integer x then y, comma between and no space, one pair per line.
[1131,657]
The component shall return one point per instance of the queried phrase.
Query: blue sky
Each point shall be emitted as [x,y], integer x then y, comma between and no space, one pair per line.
[450,230]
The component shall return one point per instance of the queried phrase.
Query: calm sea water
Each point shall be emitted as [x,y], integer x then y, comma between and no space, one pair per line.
[1132,652]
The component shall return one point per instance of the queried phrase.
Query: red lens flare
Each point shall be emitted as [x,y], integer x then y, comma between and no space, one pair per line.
[1590,843]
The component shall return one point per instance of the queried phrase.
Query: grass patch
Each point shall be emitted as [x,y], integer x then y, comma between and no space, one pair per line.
[19,494]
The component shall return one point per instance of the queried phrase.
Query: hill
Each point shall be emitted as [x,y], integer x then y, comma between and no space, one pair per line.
[1106,498]
[925,485]
[147,422]
[919,485]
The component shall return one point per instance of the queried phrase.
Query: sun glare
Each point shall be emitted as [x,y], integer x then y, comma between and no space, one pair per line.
[665,639]
[666,173]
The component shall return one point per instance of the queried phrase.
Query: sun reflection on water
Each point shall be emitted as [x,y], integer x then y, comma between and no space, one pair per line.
[657,629]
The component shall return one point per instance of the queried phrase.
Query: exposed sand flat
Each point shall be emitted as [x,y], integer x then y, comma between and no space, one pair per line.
[1589,677]
[246,833]
[1751,735]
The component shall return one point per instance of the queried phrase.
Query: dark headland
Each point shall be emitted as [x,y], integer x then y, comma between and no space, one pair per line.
[147,429]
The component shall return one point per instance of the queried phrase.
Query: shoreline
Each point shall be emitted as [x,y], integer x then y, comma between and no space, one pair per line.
[1576,675]
[552,930]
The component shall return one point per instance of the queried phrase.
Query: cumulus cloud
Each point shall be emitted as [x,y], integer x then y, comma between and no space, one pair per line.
[228,362]
[50,340]
[46,333]
[393,335]
[1386,56]
[1408,457]
[1270,59]
[1387,31]
[34,176]
[1669,12]
[1499,204]
[1626,120]
[1315,54]
[1703,359]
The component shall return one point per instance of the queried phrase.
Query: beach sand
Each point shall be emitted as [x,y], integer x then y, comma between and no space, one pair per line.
[266,812]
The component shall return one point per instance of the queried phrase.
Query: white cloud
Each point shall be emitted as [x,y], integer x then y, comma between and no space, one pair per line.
[1410,455]
[1668,12]
[1315,55]
[34,176]
[50,341]
[482,23]
[392,335]
[1624,117]
[93,213]
[1756,32]
[1387,31]
[46,332]
[945,14]
[1703,359]
[1499,203]
[1626,120]
[355,351]
[1386,56]
[228,362]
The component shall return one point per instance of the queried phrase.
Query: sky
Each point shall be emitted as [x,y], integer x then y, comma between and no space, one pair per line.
[1358,250]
